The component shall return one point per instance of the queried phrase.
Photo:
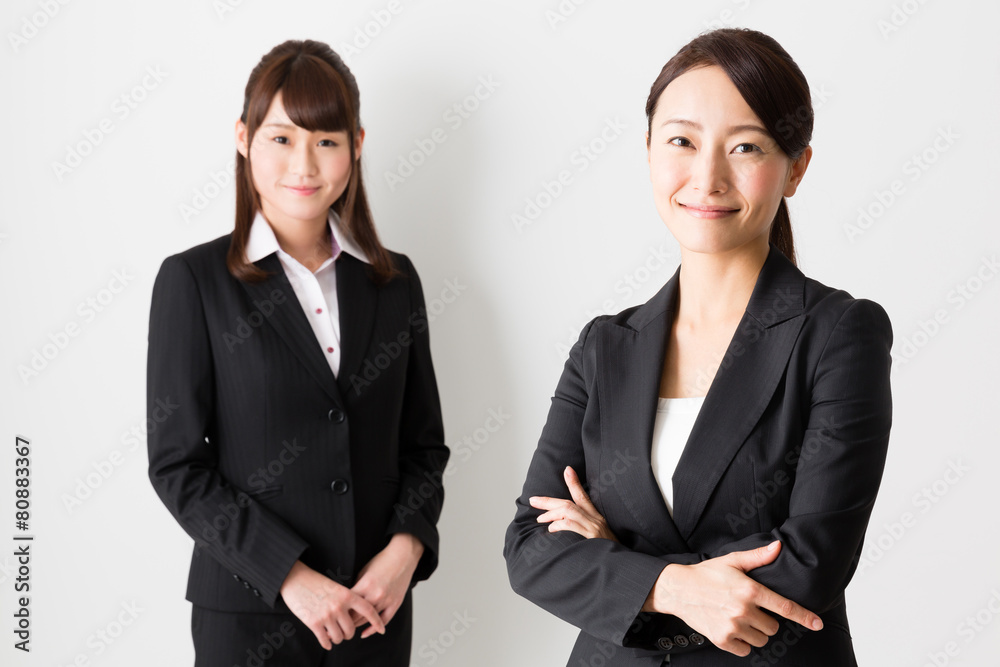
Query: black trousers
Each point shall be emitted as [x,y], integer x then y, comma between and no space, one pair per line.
[228,639]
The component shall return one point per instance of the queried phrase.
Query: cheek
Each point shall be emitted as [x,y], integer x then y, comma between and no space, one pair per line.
[338,167]
[666,175]
[760,182]
[266,166]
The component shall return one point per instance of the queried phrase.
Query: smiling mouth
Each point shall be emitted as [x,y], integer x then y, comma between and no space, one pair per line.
[710,209]
[302,191]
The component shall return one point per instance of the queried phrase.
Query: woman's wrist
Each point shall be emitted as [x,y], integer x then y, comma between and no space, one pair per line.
[407,546]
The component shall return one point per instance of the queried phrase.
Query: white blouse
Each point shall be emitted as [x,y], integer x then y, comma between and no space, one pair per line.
[674,420]
[316,290]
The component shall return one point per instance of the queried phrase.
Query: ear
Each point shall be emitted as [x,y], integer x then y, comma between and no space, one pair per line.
[358,143]
[649,159]
[241,137]
[797,171]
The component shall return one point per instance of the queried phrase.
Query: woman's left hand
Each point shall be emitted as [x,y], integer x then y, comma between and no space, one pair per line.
[578,515]
[385,579]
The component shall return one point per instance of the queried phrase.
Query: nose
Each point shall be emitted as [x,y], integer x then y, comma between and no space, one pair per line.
[302,161]
[710,173]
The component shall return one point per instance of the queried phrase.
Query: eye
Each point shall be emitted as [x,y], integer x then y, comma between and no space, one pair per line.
[280,139]
[328,142]
[681,139]
[750,148]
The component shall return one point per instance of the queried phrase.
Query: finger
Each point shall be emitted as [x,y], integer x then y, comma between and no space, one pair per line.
[333,634]
[569,524]
[754,558]
[345,626]
[754,637]
[736,647]
[768,599]
[567,512]
[367,611]
[576,489]
[546,503]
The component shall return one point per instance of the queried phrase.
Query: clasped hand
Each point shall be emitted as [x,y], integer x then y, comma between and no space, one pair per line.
[715,596]
[333,611]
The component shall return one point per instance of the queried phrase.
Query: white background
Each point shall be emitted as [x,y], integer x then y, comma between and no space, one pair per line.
[887,79]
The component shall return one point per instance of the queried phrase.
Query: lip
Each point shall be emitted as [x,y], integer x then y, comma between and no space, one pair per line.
[305,192]
[708,212]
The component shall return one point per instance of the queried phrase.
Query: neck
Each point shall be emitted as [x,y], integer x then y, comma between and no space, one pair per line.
[715,288]
[307,242]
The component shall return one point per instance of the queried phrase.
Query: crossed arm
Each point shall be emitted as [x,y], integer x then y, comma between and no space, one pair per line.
[721,593]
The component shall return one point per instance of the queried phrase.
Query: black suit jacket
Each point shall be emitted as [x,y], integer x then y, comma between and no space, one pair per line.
[268,458]
[790,444]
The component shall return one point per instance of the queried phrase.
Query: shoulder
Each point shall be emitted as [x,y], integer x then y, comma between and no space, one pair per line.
[828,308]
[202,259]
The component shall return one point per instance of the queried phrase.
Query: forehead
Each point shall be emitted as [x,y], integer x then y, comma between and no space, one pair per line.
[704,95]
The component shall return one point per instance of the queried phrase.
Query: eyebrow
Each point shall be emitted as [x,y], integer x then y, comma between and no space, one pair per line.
[732,130]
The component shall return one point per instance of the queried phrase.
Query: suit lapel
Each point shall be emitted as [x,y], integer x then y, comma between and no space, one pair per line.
[357,299]
[630,361]
[290,322]
[742,388]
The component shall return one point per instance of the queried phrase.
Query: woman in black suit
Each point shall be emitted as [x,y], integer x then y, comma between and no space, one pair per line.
[306,452]
[721,445]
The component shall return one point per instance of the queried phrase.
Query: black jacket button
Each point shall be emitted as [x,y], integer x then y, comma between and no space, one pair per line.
[664,643]
[696,639]
[237,577]
[339,486]
[681,641]
[335,415]
[256,592]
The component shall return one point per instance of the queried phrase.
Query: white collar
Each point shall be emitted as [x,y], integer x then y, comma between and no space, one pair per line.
[262,241]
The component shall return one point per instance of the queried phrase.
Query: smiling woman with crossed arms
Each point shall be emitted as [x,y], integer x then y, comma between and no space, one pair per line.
[741,384]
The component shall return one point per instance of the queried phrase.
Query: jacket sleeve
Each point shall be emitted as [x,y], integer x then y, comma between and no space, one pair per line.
[838,466]
[595,584]
[422,452]
[599,586]
[248,539]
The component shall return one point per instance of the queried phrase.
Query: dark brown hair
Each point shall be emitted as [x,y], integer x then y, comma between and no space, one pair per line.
[770,82]
[319,93]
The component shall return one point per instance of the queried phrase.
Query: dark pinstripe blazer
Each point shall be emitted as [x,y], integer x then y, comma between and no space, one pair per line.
[269,458]
[790,444]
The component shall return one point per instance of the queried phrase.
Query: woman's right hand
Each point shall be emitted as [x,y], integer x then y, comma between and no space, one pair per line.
[325,606]
[718,599]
